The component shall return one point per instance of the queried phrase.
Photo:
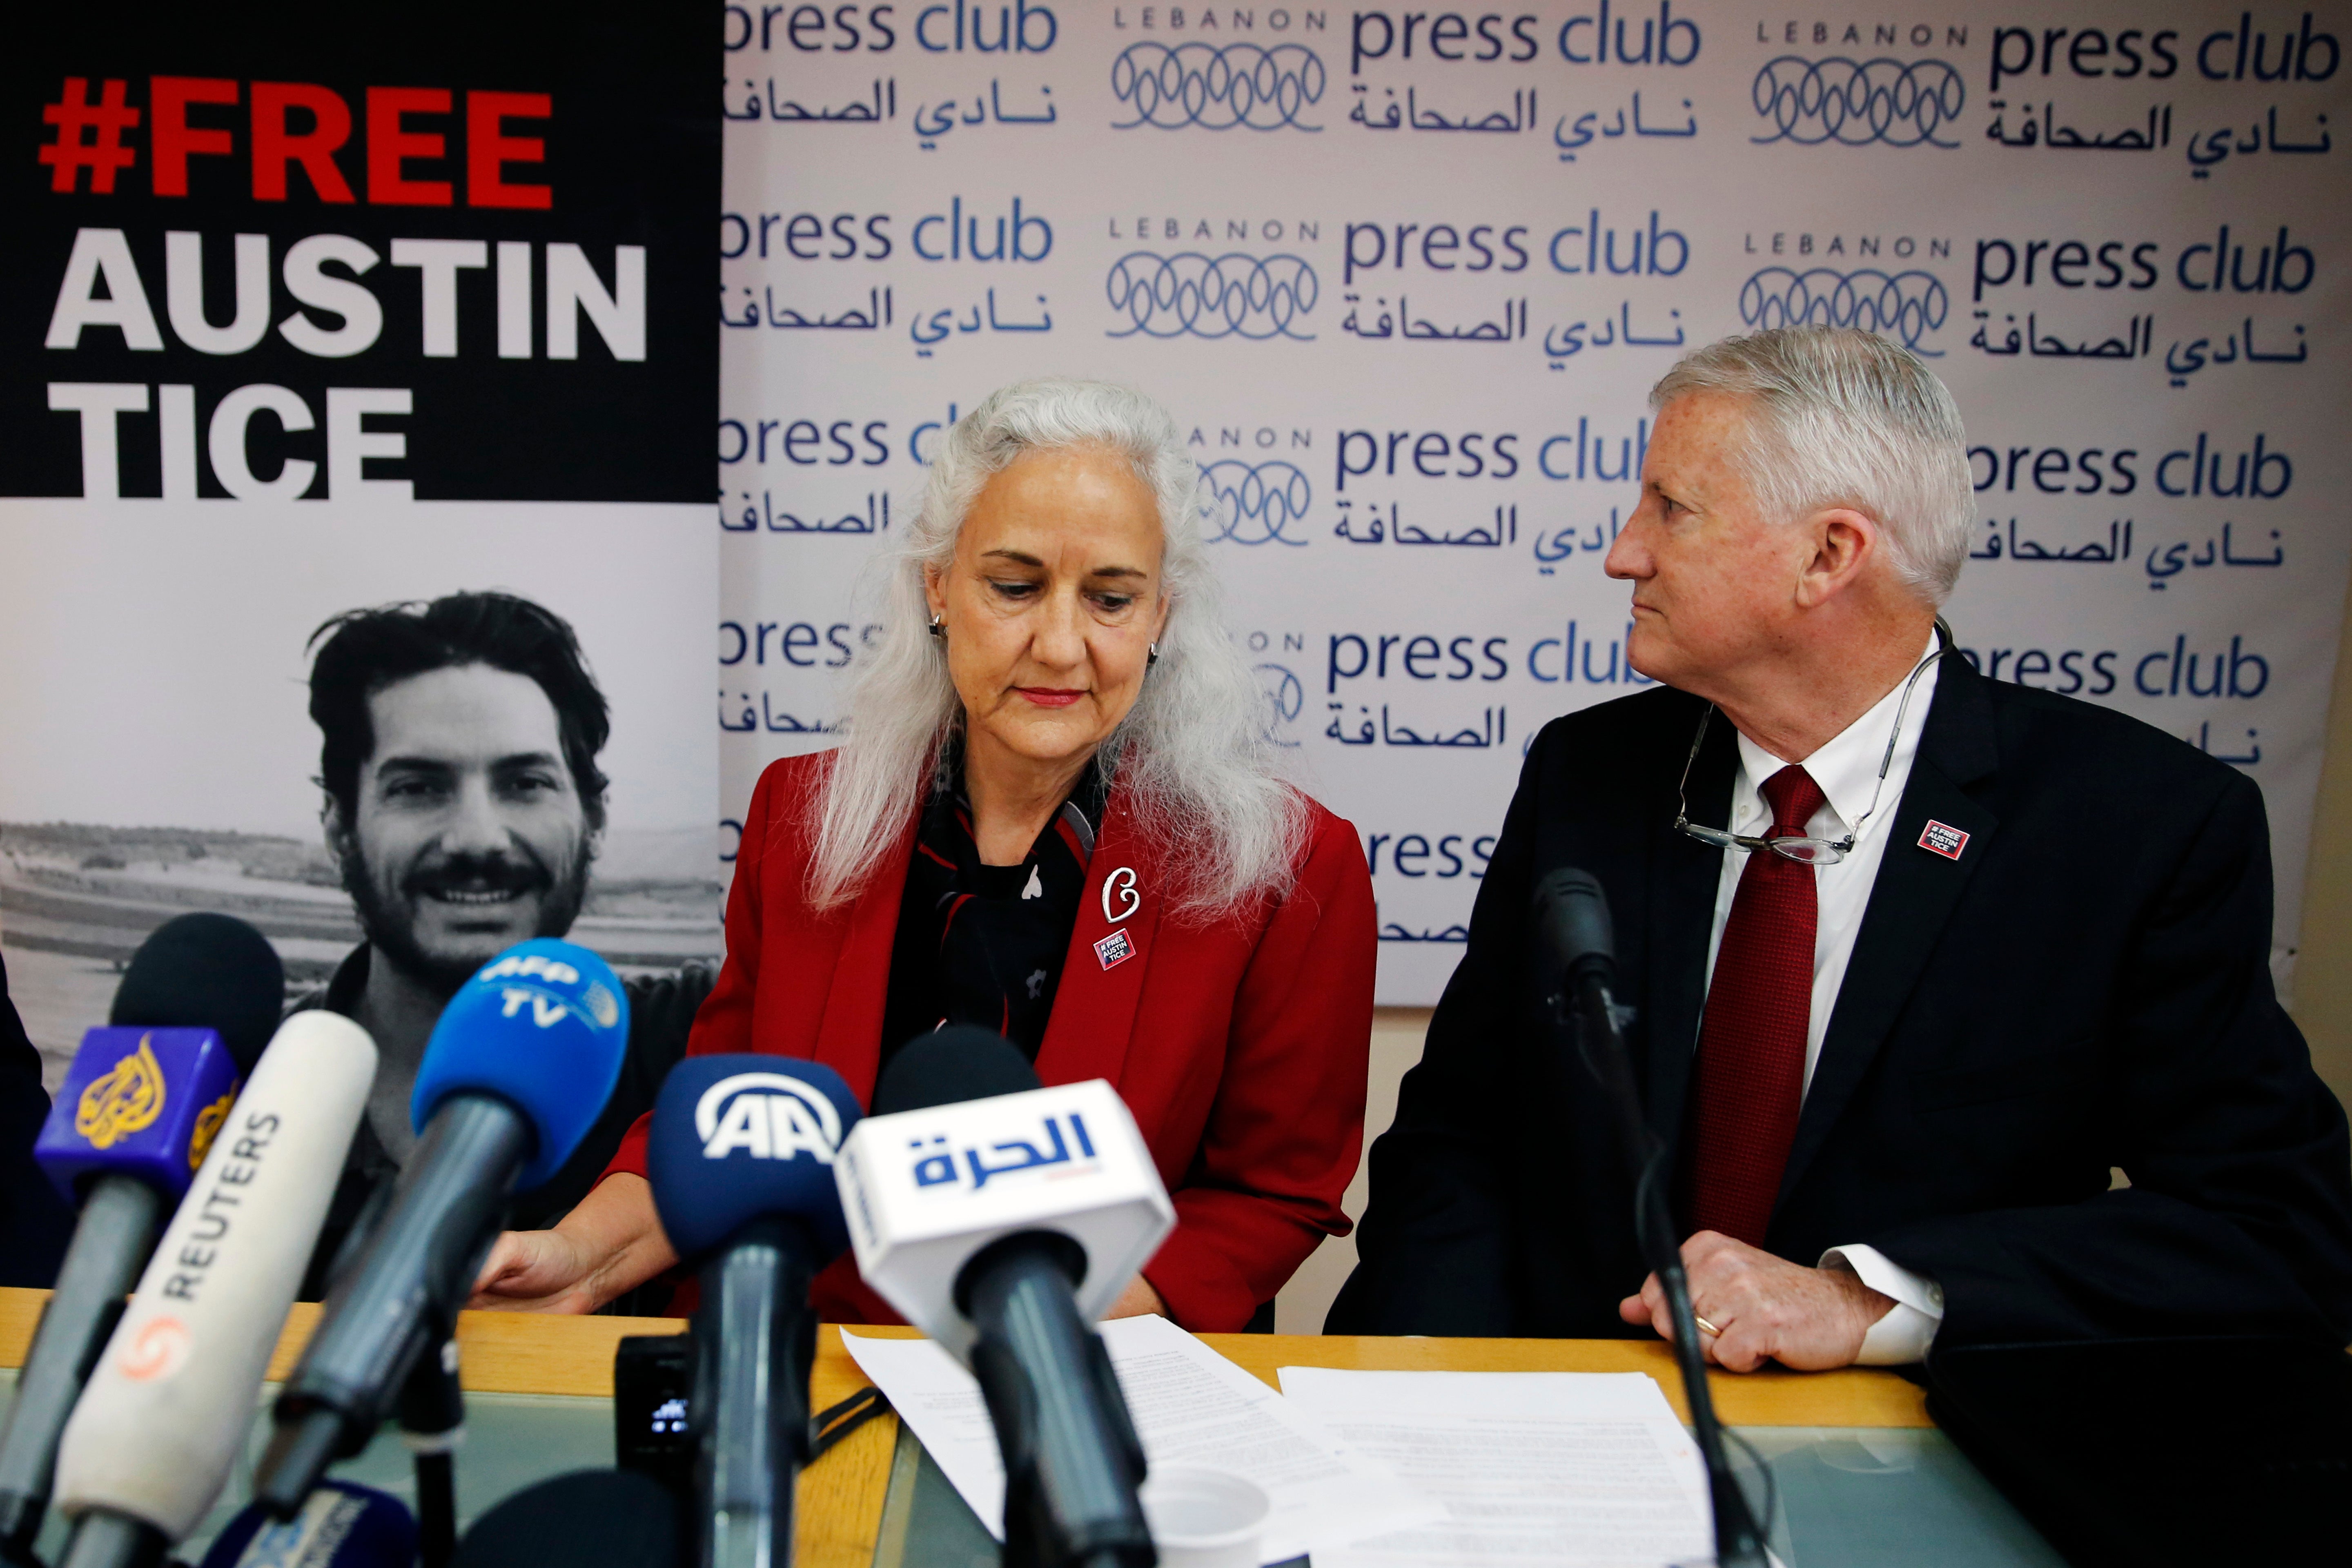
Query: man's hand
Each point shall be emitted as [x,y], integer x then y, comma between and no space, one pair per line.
[1766,1308]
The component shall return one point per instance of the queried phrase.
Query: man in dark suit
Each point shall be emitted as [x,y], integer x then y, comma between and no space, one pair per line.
[1917,957]
[34,1222]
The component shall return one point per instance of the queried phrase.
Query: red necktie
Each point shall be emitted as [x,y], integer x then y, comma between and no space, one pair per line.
[1751,1046]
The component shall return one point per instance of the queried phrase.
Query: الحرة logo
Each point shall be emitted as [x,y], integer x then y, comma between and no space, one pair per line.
[158,1350]
[769,1115]
[209,1121]
[126,1099]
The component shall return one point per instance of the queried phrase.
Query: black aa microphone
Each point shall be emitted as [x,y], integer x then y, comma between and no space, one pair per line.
[131,1123]
[1579,953]
[741,1154]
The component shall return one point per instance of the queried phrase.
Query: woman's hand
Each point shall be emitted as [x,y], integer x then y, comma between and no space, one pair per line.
[1138,1301]
[535,1271]
[612,1242]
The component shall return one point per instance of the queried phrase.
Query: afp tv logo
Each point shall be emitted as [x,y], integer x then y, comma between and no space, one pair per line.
[767,1116]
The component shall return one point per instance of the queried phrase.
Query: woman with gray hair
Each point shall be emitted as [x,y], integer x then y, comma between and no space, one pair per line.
[1056,816]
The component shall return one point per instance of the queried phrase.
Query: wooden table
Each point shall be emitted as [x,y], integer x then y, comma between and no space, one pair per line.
[841,1496]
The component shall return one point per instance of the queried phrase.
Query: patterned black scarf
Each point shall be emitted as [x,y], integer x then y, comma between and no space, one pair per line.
[984,944]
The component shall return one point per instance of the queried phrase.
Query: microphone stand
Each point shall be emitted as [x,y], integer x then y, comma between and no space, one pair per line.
[433,1423]
[1739,1543]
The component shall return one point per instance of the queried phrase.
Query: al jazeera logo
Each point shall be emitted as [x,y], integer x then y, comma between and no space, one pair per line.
[209,1121]
[127,1100]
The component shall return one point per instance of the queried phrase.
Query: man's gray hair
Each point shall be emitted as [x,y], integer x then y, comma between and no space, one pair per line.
[1841,417]
[1193,758]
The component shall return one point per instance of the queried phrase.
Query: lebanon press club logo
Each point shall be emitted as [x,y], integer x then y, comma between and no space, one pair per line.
[1905,306]
[1192,294]
[1256,502]
[1858,103]
[1237,86]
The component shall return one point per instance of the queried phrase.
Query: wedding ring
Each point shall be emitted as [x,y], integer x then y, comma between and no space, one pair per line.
[1705,1327]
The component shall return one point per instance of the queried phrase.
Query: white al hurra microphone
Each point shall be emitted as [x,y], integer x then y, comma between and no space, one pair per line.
[167,1408]
[925,1190]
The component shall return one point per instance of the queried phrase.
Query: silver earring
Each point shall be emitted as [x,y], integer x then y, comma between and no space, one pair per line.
[1150,655]
[938,627]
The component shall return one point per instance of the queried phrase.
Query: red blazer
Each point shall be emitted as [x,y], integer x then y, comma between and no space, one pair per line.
[1239,1045]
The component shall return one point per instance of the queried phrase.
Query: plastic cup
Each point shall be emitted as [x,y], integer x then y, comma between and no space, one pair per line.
[1201,1518]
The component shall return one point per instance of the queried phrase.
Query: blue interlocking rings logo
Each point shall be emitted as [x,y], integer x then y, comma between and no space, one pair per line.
[1285,695]
[1908,305]
[1229,296]
[1173,86]
[1855,104]
[1257,501]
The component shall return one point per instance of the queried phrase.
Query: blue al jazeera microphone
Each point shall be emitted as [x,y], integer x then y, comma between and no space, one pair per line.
[129,1128]
[518,1070]
[740,1156]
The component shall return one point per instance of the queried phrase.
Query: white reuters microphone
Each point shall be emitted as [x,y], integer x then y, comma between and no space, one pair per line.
[166,1409]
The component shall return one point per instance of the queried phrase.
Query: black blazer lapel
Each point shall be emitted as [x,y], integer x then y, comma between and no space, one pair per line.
[1684,877]
[1914,896]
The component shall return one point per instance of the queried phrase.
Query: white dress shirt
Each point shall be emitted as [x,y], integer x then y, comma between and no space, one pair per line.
[1847,769]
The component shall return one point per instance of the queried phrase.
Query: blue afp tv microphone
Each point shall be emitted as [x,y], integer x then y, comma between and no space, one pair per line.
[342,1525]
[519,1067]
[741,1154]
[130,1126]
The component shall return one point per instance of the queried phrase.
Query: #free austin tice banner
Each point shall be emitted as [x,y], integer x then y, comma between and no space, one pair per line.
[1407,276]
[306,312]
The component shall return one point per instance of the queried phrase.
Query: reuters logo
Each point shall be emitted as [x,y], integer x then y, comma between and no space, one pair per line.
[158,1350]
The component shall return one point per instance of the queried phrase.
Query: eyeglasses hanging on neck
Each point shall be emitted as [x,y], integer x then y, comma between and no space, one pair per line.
[1804,849]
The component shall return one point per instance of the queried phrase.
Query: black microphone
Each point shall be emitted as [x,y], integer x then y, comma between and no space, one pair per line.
[130,1126]
[588,1519]
[1072,1458]
[741,1154]
[342,1526]
[1579,948]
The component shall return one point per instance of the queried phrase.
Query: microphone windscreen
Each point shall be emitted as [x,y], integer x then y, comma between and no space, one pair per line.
[737,1138]
[543,1026]
[205,971]
[586,1519]
[341,1525]
[949,1066]
[140,1102]
[1573,913]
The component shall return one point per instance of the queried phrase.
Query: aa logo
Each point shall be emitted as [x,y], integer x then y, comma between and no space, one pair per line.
[124,1100]
[769,1115]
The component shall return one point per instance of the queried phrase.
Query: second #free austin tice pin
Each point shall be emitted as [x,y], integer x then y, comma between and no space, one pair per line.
[1943,839]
